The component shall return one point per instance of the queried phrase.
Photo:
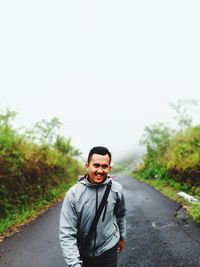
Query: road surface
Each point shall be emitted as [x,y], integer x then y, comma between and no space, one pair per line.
[159,234]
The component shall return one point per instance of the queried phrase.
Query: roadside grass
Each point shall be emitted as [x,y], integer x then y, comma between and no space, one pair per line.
[170,188]
[19,216]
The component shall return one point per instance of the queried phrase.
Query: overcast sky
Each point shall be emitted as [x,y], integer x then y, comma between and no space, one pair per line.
[106,69]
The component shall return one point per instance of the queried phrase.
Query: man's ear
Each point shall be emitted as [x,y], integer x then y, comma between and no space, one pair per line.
[86,165]
[110,168]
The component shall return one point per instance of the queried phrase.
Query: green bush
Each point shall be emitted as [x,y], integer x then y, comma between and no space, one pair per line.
[28,170]
[183,156]
[153,171]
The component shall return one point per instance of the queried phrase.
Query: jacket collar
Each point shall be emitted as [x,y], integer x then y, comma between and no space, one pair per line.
[85,180]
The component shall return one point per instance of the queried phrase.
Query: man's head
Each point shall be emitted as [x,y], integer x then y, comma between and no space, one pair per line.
[98,164]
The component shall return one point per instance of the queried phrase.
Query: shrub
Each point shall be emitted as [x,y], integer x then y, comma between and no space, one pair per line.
[29,170]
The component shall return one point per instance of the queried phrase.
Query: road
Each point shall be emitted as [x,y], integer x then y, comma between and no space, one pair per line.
[159,234]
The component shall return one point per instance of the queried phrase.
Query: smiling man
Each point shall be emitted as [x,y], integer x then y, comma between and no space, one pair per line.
[97,198]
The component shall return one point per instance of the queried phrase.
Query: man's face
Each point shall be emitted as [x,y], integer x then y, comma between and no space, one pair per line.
[98,168]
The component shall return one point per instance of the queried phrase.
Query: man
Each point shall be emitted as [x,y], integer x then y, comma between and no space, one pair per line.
[78,211]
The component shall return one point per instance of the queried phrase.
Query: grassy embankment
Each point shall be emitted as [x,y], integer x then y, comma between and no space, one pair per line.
[172,160]
[172,164]
[36,169]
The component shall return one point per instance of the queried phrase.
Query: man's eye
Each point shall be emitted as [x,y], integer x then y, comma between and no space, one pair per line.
[96,165]
[105,166]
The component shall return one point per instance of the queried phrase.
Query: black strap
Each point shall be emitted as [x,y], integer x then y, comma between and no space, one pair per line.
[98,214]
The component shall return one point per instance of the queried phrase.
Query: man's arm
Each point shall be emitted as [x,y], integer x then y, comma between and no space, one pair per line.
[68,232]
[121,221]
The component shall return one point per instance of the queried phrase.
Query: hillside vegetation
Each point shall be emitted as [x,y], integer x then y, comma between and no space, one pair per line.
[35,166]
[173,155]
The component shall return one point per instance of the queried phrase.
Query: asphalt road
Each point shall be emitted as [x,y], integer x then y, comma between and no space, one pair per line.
[158,235]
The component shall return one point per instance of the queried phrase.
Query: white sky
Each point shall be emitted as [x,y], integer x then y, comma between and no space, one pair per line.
[106,69]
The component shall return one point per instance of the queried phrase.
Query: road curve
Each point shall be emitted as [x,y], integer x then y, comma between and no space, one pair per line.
[158,235]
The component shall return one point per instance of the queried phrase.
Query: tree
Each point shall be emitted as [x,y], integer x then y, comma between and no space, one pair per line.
[46,131]
[6,118]
[64,146]
[156,138]
[183,117]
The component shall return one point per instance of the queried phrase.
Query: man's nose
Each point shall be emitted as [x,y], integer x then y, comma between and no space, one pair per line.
[100,169]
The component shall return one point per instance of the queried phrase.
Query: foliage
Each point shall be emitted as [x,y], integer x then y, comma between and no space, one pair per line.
[156,138]
[183,117]
[172,159]
[172,153]
[6,117]
[46,131]
[183,156]
[155,171]
[28,169]
[64,146]
[20,214]
[195,213]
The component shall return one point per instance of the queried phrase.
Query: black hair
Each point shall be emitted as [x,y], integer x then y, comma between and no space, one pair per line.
[101,150]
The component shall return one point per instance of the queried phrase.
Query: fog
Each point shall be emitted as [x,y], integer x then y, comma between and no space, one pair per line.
[105,69]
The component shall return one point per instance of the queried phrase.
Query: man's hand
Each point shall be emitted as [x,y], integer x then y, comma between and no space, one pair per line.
[120,246]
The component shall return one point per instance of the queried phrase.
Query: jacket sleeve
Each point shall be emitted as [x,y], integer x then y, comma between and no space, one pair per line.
[68,231]
[121,215]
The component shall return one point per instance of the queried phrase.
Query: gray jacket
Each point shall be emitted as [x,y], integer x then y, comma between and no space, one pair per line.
[78,210]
